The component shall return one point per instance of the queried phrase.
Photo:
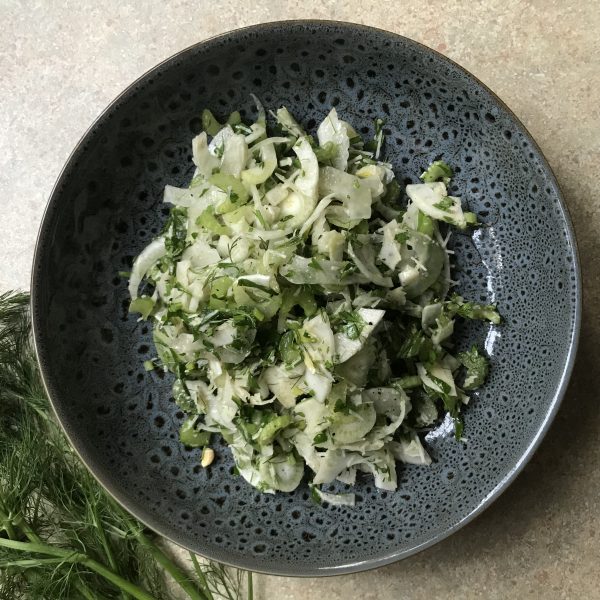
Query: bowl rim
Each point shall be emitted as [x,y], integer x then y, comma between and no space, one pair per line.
[349,567]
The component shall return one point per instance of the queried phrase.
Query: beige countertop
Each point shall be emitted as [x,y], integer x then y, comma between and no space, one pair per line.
[61,63]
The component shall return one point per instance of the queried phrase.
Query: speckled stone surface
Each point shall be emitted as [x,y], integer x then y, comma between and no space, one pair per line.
[59,66]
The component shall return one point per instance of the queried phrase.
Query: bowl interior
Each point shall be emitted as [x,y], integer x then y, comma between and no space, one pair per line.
[107,206]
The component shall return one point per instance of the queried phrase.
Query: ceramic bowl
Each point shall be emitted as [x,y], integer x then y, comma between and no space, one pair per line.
[107,205]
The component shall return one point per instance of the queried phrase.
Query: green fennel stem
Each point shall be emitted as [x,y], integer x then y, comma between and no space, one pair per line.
[24,527]
[7,524]
[28,563]
[107,547]
[27,531]
[201,576]
[77,557]
[52,501]
[85,591]
[176,573]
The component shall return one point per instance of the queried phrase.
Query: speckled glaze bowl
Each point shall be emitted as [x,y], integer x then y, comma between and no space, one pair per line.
[107,205]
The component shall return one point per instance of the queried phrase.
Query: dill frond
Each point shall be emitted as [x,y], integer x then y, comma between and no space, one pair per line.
[61,534]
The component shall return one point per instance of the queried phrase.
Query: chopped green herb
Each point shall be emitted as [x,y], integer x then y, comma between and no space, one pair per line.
[477,367]
[350,323]
[445,204]
[402,237]
[314,264]
[320,438]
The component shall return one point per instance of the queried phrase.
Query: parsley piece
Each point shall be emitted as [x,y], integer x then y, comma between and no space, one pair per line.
[320,438]
[477,366]
[175,231]
[445,204]
[418,345]
[348,269]
[342,406]
[402,237]
[351,324]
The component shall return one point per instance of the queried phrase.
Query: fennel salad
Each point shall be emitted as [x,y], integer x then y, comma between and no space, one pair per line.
[304,308]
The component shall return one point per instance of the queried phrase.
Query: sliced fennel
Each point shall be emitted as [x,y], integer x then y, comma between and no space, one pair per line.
[303,308]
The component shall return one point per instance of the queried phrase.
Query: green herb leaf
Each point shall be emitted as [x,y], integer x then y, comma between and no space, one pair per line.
[320,438]
[314,264]
[477,367]
[349,268]
[175,231]
[402,237]
[418,345]
[445,204]
[350,323]
[450,401]
[342,406]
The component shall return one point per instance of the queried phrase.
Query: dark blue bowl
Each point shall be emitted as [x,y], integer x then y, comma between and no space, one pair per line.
[107,205]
